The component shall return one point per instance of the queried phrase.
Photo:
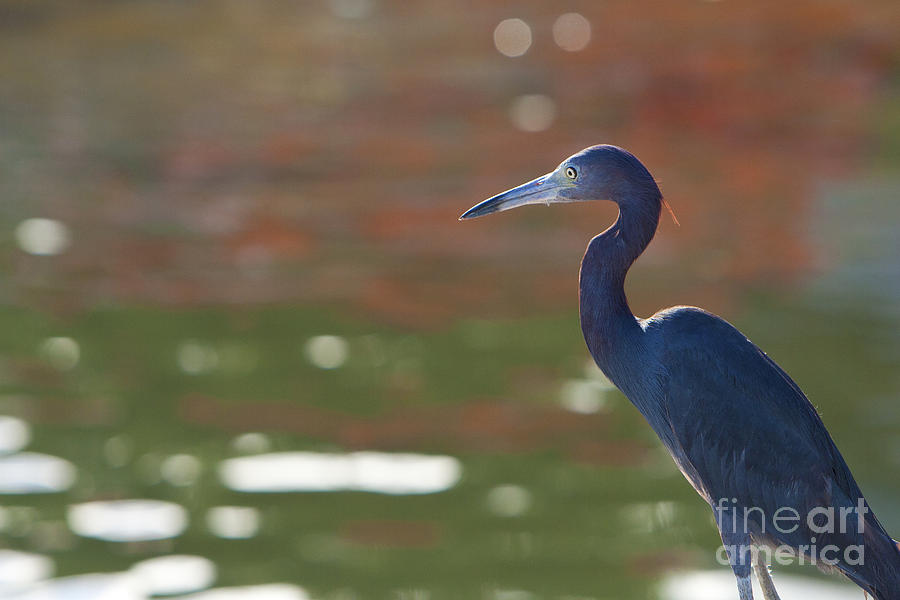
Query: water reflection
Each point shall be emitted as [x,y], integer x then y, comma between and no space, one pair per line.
[512,37]
[358,471]
[92,586]
[42,237]
[127,520]
[20,570]
[251,443]
[173,574]
[118,451]
[326,351]
[572,32]
[181,469]
[255,232]
[14,434]
[195,357]
[35,473]
[61,353]
[233,522]
[715,585]
[509,500]
[584,396]
[272,591]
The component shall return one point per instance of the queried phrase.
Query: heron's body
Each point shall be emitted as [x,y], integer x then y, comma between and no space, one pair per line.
[740,430]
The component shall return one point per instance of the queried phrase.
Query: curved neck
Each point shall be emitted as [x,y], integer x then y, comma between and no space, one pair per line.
[606,319]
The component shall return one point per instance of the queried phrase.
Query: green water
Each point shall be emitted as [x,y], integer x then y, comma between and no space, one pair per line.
[597,506]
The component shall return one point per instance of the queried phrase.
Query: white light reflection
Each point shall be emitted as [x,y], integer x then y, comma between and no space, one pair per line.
[714,585]
[271,591]
[181,469]
[14,434]
[533,112]
[512,37]
[42,237]
[360,471]
[583,396]
[572,32]
[118,450]
[33,473]
[62,353]
[233,522]
[195,357]
[509,500]
[173,574]
[127,520]
[20,570]
[251,443]
[327,351]
[92,586]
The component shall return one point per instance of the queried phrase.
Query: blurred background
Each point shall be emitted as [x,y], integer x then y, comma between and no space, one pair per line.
[247,350]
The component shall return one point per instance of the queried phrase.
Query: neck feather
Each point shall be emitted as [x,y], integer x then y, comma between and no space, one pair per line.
[606,319]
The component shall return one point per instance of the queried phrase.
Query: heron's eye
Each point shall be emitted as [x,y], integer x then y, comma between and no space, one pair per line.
[571,173]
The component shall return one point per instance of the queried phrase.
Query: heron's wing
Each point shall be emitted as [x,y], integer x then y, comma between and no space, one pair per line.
[744,428]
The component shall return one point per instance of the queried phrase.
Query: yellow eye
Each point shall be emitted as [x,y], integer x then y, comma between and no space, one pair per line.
[571,173]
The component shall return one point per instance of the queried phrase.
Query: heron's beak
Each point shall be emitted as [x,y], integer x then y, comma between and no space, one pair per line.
[543,190]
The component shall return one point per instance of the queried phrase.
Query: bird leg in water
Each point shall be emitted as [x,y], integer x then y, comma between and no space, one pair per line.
[765,581]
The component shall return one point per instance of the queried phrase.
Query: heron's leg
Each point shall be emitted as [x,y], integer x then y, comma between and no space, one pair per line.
[745,588]
[738,547]
[765,581]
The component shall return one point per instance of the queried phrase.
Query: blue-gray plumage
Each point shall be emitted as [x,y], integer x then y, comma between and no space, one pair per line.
[739,429]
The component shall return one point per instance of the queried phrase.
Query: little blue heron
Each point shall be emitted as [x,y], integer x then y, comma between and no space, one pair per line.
[738,427]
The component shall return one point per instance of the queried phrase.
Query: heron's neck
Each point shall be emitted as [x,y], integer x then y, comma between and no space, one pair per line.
[610,328]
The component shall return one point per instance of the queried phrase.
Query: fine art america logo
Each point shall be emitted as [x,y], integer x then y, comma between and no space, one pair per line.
[821,520]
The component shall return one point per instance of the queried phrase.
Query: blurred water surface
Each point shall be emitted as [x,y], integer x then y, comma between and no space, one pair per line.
[249,352]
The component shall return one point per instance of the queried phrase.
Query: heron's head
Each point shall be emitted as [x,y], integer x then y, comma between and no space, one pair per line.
[595,173]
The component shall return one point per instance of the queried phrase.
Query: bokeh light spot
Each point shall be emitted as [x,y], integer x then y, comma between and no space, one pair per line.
[127,520]
[379,472]
[61,353]
[14,434]
[173,574]
[533,112]
[583,396]
[118,450]
[509,500]
[327,351]
[181,469]
[19,570]
[251,443]
[233,522]
[43,237]
[572,32]
[196,358]
[34,473]
[512,37]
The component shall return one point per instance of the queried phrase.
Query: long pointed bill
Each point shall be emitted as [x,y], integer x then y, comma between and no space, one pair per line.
[543,190]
